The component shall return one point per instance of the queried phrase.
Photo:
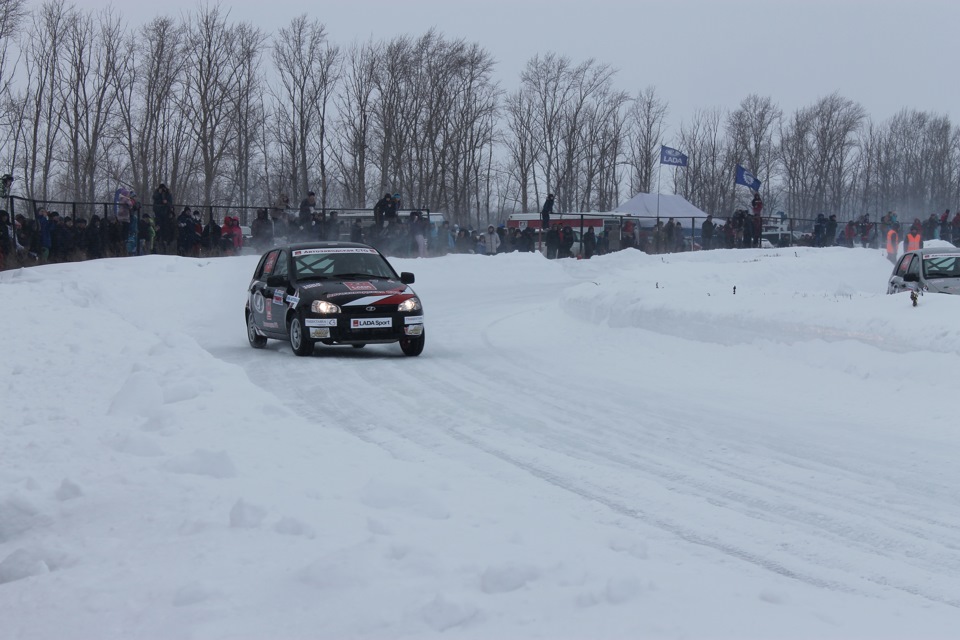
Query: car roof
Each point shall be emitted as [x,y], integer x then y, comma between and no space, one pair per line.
[326,244]
[936,250]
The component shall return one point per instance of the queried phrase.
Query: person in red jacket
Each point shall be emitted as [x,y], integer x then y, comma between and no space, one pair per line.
[232,235]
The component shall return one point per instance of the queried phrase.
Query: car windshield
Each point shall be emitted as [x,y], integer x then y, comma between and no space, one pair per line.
[941,266]
[340,263]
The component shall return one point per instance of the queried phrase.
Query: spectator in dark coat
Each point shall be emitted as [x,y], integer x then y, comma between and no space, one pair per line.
[946,231]
[589,243]
[306,209]
[552,240]
[356,231]
[931,226]
[831,231]
[164,218]
[210,236]
[262,230]
[66,241]
[566,242]
[546,211]
[706,232]
[527,240]
[379,209]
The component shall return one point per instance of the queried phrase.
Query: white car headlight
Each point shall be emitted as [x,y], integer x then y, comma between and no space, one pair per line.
[412,304]
[322,306]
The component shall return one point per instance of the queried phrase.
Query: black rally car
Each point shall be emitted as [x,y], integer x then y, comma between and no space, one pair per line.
[333,293]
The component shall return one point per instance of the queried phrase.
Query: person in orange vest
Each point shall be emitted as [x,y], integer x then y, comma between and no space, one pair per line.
[893,242]
[914,239]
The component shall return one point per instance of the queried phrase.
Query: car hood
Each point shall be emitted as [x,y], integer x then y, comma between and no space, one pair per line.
[944,285]
[354,292]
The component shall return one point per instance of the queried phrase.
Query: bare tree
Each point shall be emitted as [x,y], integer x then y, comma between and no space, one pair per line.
[395,66]
[353,131]
[751,128]
[247,110]
[907,164]
[304,61]
[149,85]
[708,179]
[12,15]
[43,111]
[605,143]
[796,156]
[89,92]
[546,81]
[213,68]
[647,121]
[818,149]
[523,144]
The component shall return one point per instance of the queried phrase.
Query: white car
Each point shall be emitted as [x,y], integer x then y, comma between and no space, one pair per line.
[935,270]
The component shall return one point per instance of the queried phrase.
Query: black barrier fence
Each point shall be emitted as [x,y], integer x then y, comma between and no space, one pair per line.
[29,206]
[649,233]
[121,237]
[779,230]
[645,232]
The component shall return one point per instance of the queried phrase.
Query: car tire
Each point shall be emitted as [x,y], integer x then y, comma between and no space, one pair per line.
[257,341]
[413,346]
[358,346]
[299,342]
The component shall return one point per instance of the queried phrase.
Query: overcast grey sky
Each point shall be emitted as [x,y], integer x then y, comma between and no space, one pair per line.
[885,54]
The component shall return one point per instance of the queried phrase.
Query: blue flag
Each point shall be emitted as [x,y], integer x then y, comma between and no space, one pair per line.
[747,179]
[672,156]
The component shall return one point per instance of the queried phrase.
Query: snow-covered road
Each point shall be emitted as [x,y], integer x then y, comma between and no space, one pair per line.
[621,447]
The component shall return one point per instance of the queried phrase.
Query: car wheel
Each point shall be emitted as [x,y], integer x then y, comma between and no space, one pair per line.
[299,342]
[413,346]
[358,346]
[257,341]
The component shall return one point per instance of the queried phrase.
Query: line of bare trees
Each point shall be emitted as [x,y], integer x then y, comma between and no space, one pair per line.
[226,114]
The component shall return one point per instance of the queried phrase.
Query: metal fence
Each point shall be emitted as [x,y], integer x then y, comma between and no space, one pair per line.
[779,230]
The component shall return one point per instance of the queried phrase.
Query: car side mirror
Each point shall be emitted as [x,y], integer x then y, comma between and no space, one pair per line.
[276,281]
[406,277]
[911,277]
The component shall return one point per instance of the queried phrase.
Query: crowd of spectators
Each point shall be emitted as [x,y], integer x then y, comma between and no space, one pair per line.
[49,237]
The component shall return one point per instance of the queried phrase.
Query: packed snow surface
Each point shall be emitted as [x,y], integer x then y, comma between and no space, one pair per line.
[725,444]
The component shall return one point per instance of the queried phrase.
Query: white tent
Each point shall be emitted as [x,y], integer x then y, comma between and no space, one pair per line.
[671,206]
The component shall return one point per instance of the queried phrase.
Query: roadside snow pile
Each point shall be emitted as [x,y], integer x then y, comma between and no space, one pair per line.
[742,296]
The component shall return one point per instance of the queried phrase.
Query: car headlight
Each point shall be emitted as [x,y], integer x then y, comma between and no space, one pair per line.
[322,306]
[411,304]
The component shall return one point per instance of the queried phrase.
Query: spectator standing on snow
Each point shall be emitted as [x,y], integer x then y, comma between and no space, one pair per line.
[552,240]
[210,236]
[491,241]
[148,234]
[931,227]
[262,230]
[914,239]
[356,231]
[566,242]
[706,232]
[589,243]
[946,231]
[93,238]
[819,230]
[305,217]
[418,230]
[831,231]
[893,243]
